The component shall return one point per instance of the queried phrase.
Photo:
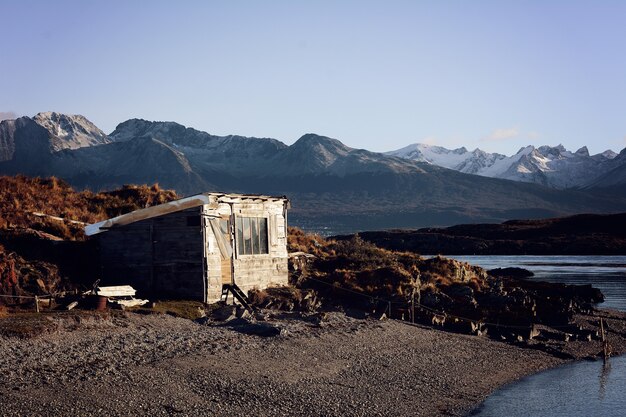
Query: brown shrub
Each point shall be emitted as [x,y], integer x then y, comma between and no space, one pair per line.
[285,298]
[20,196]
[299,241]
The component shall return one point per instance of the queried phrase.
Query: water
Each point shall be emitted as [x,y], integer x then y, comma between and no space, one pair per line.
[608,273]
[580,389]
[577,389]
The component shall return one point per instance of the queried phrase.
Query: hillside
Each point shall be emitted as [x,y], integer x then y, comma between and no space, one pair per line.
[576,235]
[42,246]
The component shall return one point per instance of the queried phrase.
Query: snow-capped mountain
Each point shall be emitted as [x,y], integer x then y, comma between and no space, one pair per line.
[70,131]
[26,142]
[329,183]
[458,159]
[546,165]
[615,178]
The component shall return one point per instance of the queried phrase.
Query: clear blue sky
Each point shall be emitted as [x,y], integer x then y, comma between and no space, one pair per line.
[378,75]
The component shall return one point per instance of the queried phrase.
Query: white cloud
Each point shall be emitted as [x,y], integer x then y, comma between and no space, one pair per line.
[4,115]
[534,135]
[501,134]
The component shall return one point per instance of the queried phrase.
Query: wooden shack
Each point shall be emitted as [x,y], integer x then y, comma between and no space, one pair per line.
[196,247]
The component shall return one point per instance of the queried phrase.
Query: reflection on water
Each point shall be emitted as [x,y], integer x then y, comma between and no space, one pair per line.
[605,371]
[580,389]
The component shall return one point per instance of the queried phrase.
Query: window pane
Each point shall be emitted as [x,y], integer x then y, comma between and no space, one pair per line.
[224,227]
[247,237]
[240,246]
[254,222]
[263,235]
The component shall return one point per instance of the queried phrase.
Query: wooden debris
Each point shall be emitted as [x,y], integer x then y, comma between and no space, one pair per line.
[116,291]
[122,295]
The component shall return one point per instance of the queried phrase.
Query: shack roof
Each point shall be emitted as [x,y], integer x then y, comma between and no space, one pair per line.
[178,205]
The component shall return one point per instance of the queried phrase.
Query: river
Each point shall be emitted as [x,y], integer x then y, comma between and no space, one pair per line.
[577,389]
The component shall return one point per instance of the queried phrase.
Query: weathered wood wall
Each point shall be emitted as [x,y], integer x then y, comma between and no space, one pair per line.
[162,256]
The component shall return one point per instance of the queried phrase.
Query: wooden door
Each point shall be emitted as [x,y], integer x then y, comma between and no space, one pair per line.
[227,256]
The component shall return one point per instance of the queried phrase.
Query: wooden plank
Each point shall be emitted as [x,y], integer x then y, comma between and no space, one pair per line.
[116,291]
[226,265]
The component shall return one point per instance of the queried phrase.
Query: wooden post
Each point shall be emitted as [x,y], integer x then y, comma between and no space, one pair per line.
[605,343]
[602,329]
[37,304]
[413,307]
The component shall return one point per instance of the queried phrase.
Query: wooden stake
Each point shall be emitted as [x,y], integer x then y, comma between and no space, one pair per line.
[37,304]
[605,343]
[602,328]
[413,307]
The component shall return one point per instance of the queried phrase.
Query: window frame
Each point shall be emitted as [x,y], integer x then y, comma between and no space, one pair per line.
[243,241]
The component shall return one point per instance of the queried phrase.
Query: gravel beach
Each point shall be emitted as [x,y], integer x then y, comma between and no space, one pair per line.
[131,364]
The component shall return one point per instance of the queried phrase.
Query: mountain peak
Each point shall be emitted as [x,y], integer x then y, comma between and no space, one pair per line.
[583,151]
[552,152]
[313,140]
[70,131]
[609,154]
[460,150]
[314,137]
[525,150]
[133,128]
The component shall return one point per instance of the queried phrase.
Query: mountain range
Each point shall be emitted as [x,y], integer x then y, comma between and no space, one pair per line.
[552,166]
[333,188]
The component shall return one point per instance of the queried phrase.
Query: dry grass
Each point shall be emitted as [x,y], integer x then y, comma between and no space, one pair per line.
[25,325]
[187,309]
[299,241]
[20,196]
[285,298]
[362,267]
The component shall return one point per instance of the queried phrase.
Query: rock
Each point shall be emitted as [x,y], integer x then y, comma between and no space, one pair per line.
[512,272]
[461,294]
[225,313]
[243,313]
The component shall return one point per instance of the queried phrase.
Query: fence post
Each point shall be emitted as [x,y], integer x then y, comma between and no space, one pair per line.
[413,307]
[37,304]
[605,343]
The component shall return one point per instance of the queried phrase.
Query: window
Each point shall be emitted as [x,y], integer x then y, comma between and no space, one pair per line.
[252,235]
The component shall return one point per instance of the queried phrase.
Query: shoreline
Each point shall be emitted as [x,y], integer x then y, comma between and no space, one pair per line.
[126,363]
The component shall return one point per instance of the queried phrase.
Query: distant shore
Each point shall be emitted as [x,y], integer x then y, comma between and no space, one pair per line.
[585,234]
[129,364]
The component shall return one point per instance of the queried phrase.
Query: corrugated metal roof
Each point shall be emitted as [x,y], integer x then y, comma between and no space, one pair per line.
[177,205]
